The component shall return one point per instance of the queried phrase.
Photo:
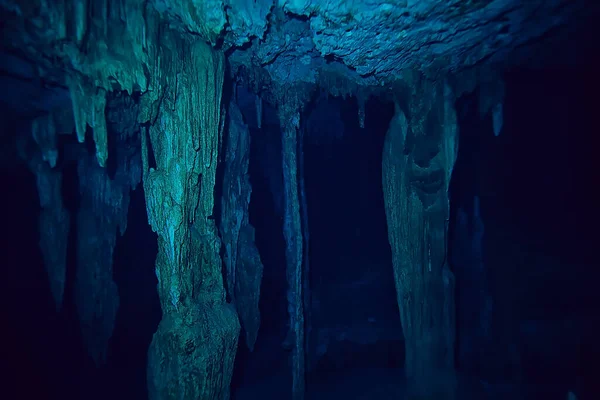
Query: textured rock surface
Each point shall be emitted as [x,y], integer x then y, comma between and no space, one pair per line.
[374,41]
[244,267]
[191,355]
[419,153]
[302,40]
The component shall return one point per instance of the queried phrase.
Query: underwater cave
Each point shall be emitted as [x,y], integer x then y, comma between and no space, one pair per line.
[299,200]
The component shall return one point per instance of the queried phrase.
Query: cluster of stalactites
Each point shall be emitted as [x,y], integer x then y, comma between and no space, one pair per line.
[99,47]
[103,207]
[89,109]
[489,83]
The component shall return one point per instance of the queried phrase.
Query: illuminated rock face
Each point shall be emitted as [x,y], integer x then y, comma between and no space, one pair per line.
[419,153]
[191,355]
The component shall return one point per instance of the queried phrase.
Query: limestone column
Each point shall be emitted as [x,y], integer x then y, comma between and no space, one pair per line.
[289,116]
[192,353]
[306,293]
[419,153]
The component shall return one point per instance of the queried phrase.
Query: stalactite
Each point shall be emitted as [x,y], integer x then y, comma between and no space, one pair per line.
[419,153]
[98,47]
[54,219]
[498,118]
[361,111]
[54,229]
[491,101]
[477,249]
[80,20]
[89,109]
[306,292]
[44,133]
[54,223]
[292,229]
[259,111]
[192,352]
[102,214]
[242,260]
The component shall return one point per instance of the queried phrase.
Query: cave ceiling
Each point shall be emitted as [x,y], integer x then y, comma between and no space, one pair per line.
[343,45]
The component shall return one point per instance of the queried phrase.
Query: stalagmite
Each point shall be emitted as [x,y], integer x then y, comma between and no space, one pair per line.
[192,352]
[289,117]
[244,267]
[418,157]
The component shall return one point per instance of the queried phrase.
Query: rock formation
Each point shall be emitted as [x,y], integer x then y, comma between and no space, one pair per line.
[102,213]
[192,352]
[289,115]
[169,59]
[420,150]
[54,220]
[241,257]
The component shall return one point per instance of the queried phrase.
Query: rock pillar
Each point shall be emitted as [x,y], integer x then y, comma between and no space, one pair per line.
[289,116]
[192,353]
[419,153]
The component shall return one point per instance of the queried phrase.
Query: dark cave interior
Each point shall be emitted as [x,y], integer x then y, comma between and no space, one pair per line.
[523,212]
